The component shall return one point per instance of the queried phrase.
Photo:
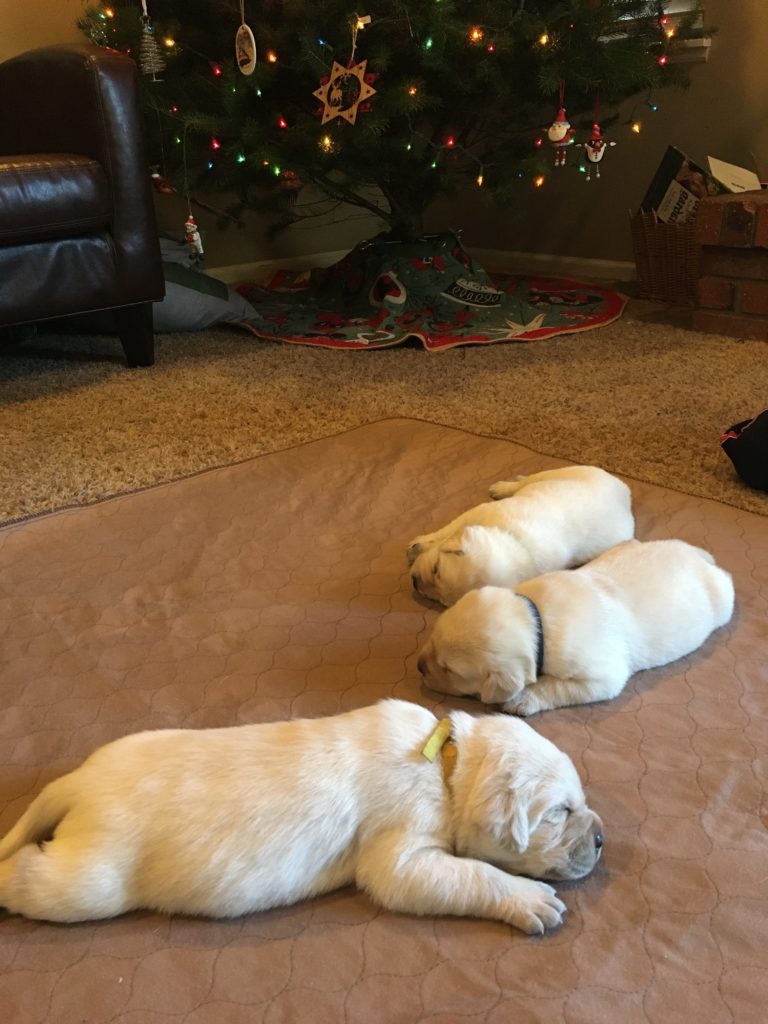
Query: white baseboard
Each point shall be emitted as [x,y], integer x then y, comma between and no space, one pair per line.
[491,259]
[551,263]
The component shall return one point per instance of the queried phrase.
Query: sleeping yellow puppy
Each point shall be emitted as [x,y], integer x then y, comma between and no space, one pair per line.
[457,817]
[577,636]
[539,523]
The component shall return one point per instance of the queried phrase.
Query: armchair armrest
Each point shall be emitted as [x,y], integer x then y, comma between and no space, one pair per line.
[81,98]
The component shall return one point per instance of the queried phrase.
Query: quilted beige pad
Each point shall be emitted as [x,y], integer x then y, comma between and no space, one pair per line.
[279,588]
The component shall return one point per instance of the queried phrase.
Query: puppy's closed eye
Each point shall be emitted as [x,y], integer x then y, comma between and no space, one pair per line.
[558,814]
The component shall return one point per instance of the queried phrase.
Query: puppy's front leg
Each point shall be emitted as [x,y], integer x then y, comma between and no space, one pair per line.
[429,880]
[418,546]
[428,540]
[550,692]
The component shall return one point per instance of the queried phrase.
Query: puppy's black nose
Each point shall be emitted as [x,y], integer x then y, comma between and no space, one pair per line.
[598,840]
[421,665]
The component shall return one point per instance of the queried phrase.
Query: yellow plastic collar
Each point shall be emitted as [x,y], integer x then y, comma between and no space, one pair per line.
[440,740]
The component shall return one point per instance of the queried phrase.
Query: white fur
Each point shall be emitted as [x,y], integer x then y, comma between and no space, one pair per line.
[551,520]
[224,822]
[637,606]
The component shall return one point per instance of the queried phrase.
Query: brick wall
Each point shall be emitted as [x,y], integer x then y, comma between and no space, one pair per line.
[732,289]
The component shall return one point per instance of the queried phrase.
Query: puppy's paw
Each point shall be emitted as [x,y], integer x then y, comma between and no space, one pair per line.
[536,908]
[413,551]
[416,547]
[524,703]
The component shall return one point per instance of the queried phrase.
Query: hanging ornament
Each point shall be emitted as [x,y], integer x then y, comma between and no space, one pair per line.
[594,150]
[151,60]
[192,236]
[345,92]
[347,89]
[191,231]
[291,184]
[245,45]
[559,132]
[560,135]
[161,184]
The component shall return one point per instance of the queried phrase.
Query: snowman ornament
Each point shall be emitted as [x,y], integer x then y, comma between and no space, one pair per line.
[560,135]
[594,150]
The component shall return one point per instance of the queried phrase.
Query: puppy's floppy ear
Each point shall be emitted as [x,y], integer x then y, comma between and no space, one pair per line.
[501,809]
[511,819]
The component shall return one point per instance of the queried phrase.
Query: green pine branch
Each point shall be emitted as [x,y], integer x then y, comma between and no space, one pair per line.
[211,128]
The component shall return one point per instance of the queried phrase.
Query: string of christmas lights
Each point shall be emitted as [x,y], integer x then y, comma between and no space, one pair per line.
[482,37]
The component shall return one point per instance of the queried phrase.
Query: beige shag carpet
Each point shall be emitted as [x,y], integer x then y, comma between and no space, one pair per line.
[644,397]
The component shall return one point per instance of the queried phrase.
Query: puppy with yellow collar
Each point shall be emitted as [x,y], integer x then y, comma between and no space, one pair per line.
[458,817]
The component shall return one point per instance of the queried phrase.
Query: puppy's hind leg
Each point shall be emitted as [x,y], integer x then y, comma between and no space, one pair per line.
[62,881]
[40,818]
[506,488]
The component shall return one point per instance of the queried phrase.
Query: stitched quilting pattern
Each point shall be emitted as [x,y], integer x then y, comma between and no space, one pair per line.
[279,588]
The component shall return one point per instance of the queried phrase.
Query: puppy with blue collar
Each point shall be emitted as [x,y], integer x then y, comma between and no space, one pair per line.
[573,637]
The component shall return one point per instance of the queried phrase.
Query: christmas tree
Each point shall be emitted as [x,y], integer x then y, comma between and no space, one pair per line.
[386,107]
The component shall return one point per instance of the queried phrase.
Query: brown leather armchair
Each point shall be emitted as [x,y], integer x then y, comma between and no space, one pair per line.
[77,224]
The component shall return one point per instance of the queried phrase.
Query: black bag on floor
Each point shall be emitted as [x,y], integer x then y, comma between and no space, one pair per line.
[746,445]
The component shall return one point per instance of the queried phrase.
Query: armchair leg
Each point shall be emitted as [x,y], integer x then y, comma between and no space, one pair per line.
[134,326]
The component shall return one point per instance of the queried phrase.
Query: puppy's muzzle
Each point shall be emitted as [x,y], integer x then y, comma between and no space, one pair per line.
[415,582]
[584,854]
[597,836]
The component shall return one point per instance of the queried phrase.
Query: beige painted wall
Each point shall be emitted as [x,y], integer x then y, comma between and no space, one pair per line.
[724,113]
[26,24]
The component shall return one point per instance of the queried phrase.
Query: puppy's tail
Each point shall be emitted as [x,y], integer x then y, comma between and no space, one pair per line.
[40,818]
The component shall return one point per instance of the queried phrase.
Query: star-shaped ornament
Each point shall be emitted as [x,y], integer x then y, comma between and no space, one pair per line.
[343,92]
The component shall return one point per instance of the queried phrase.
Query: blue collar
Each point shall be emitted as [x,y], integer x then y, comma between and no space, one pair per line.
[539,634]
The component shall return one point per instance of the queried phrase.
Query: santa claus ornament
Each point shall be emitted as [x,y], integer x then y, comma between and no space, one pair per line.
[560,136]
[594,150]
[192,237]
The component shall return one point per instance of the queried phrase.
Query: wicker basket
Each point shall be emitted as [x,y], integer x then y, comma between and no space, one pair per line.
[667,259]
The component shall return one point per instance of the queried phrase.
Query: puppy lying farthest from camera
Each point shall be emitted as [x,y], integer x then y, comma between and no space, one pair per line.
[575,637]
[551,520]
[426,817]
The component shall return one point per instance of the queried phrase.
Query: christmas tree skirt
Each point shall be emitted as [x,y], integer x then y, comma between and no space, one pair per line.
[383,292]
